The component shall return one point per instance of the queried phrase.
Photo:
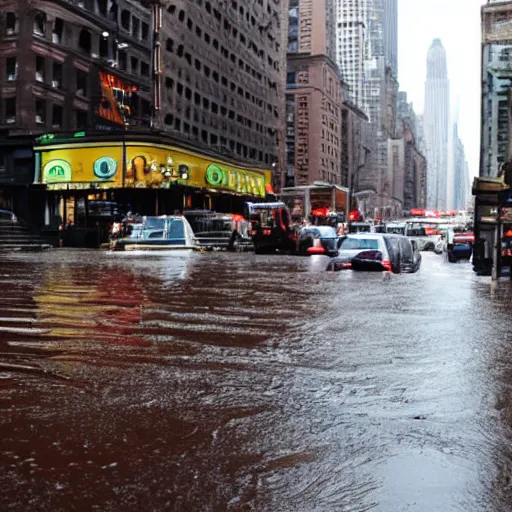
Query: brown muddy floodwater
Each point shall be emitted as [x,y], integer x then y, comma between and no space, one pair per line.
[215,381]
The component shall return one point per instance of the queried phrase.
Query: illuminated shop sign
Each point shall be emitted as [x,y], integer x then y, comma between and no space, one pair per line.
[243,182]
[95,165]
[57,171]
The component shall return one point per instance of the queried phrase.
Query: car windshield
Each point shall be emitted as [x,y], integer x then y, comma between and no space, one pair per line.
[320,232]
[326,231]
[350,244]
[154,223]
[176,229]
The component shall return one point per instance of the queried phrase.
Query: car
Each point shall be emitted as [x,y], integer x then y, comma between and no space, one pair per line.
[459,246]
[318,240]
[219,230]
[270,228]
[377,252]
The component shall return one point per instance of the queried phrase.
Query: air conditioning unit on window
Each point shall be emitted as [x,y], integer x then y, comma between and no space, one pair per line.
[10,32]
[11,120]
[11,77]
[39,76]
[55,84]
[39,119]
[55,38]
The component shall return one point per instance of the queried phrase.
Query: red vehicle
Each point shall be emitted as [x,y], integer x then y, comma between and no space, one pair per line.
[270,227]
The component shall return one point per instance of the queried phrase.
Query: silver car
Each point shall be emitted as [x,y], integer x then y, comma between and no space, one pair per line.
[377,252]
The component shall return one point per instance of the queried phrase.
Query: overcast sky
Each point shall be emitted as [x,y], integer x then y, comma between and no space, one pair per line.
[457,24]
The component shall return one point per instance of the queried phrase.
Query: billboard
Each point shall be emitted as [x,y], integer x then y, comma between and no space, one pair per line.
[98,166]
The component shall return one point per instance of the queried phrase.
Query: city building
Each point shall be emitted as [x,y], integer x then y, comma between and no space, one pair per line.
[181,107]
[62,65]
[461,184]
[436,121]
[351,46]
[314,96]
[378,33]
[496,86]
[354,150]
[223,76]
[407,166]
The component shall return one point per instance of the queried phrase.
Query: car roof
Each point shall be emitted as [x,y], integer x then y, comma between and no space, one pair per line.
[375,235]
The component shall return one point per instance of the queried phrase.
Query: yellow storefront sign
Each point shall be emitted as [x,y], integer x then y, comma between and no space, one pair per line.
[93,165]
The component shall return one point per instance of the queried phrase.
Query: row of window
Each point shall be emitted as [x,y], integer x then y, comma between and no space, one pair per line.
[207,104]
[41,114]
[230,29]
[50,75]
[220,143]
[108,47]
[226,54]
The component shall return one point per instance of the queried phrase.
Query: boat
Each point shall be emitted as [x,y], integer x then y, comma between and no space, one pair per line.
[165,232]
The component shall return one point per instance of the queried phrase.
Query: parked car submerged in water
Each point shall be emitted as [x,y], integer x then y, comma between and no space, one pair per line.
[219,230]
[318,240]
[377,252]
[159,233]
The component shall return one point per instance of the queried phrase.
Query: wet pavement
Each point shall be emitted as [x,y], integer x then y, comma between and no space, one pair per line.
[215,381]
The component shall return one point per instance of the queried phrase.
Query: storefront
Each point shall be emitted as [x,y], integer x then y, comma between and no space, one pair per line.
[306,200]
[89,184]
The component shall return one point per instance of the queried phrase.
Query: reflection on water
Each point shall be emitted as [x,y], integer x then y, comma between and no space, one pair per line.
[239,382]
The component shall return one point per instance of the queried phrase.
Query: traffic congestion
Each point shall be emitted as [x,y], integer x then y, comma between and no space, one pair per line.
[270,228]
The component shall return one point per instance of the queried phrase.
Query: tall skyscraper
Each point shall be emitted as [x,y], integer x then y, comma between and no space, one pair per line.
[351,47]
[436,125]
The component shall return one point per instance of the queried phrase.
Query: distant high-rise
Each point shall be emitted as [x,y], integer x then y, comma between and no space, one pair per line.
[351,38]
[436,125]
[460,172]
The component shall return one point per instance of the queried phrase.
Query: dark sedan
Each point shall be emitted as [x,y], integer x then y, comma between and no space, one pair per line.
[318,240]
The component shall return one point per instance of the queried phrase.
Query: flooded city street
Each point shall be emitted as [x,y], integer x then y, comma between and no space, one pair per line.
[218,381]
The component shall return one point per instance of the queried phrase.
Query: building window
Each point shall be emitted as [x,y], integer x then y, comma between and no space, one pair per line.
[103,47]
[136,27]
[145,107]
[12,25]
[134,63]
[57,75]
[125,19]
[57,113]
[122,59]
[81,83]
[145,31]
[40,112]
[144,69]
[103,7]
[40,65]
[10,110]
[80,119]
[39,26]
[169,119]
[84,41]
[11,67]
